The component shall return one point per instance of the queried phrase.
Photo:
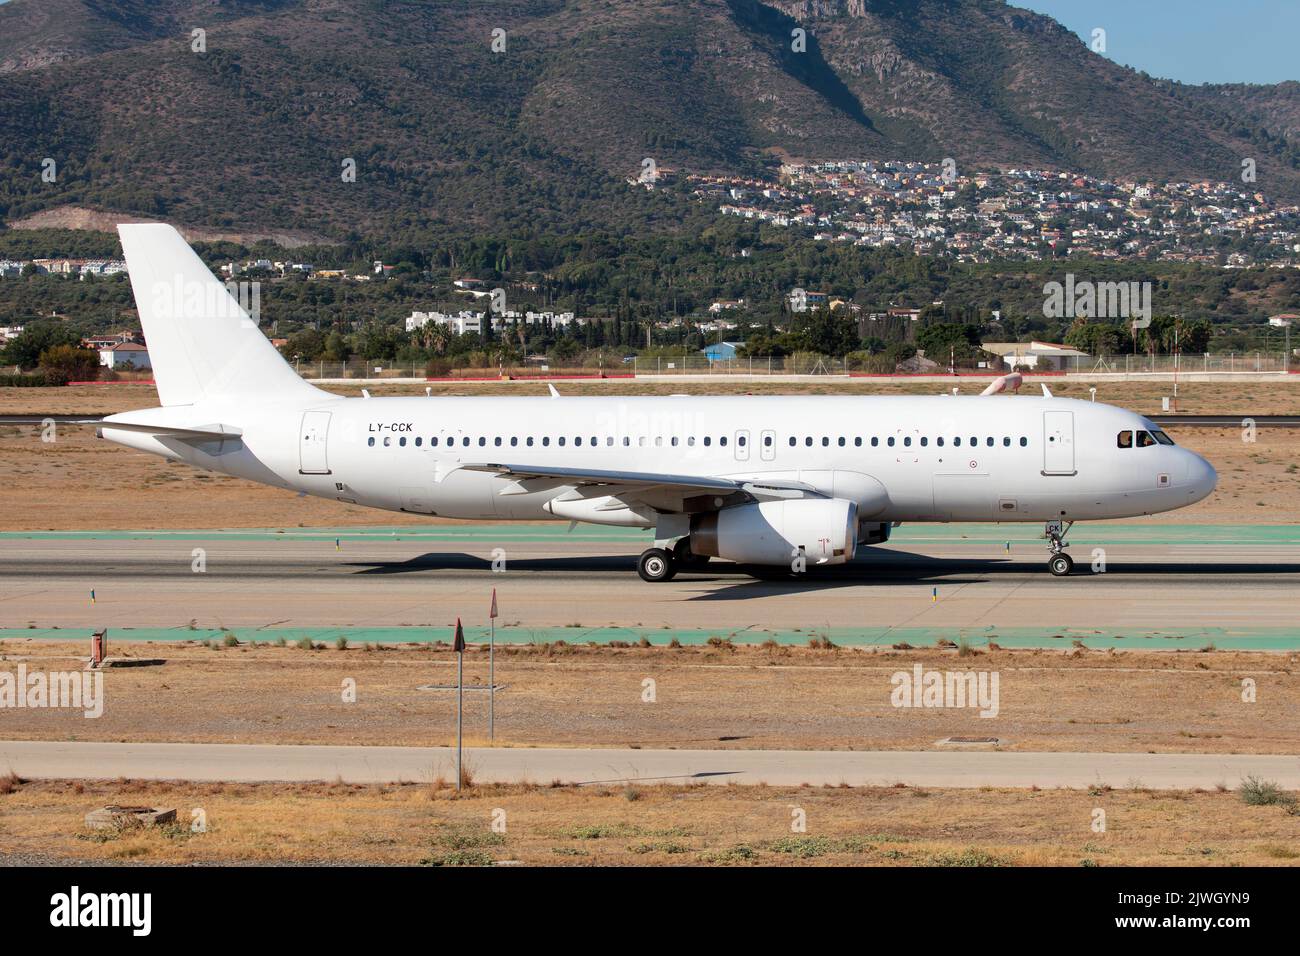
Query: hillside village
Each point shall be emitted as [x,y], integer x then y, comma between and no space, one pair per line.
[1029,214]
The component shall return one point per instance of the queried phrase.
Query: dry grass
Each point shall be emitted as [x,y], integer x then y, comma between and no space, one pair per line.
[730,696]
[663,825]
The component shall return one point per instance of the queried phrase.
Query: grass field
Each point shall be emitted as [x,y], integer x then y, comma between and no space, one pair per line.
[41,822]
[707,696]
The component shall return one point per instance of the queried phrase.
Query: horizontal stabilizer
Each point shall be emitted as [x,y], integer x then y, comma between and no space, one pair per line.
[214,432]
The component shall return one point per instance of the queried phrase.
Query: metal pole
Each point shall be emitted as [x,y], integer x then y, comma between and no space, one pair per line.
[460,706]
[492,684]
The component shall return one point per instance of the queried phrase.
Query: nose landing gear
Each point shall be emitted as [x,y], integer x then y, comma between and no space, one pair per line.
[1060,563]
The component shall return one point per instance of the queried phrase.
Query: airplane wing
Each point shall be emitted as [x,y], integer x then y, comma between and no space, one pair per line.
[702,492]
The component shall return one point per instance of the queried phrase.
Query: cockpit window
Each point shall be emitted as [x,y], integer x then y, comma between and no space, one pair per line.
[1162,438]
[1145,440]
[1125,440]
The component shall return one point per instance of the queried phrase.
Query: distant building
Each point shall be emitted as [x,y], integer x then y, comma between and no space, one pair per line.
[725,304]
[1040,356]
[722,351]
[125,355]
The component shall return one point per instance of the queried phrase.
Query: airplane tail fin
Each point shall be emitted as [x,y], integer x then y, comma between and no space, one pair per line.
[202,342]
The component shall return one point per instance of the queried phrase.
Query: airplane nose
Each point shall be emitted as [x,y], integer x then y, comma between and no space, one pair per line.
[1201,477]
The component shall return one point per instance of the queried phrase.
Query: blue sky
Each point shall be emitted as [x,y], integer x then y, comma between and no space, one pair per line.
[1195,41]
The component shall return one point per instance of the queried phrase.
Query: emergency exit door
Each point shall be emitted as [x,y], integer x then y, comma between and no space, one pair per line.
[312,446]
[1058,443]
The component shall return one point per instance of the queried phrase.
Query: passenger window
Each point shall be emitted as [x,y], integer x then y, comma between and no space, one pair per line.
[627,440]
[578,440]
[659,441]
[529,441]
[497,441]
[874,441]
[418,441]
[465,441]
[482,442]
[707,441]
[857,442]
[1124,440]
[825,441]
[560,441]
[767,441]
[1145,440]
[514,441]
[433,442]
[974,441]
[808,442]
[989,442]
[792,441]
[907,442]
[939,442]
[674,441]
[372,441]
[690,441]
[924,442]
[609,442]
[741,440]
[890,441]
[722,440]
[1024,442]
[1006,442]
[402,441]
[546,441]
[841,441]
[387,441]
[594,441]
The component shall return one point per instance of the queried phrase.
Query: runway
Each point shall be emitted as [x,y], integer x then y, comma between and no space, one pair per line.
[1149,579]
[247,763]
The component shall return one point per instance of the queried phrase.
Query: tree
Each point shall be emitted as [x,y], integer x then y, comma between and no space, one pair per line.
[73,363]
[25,350]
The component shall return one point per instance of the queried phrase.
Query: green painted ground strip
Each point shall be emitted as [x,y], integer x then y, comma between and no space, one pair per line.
[1092,533]
[1187,639]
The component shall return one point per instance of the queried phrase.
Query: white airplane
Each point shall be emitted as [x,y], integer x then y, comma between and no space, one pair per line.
[782,481]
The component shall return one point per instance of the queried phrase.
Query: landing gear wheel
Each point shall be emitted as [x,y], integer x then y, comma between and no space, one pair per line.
[1061,565]
[656,564]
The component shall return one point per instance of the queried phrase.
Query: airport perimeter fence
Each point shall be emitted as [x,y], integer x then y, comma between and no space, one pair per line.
[804,363]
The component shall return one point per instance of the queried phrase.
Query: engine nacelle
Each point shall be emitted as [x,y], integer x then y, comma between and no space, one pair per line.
[773,532]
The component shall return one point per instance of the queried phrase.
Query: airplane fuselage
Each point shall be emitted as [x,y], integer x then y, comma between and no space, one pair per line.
[940,458]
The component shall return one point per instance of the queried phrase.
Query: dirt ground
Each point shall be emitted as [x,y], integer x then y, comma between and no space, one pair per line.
[79,481]
[656,826]
[741,697]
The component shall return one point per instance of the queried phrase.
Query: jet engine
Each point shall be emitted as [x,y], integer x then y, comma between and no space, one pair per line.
[775,532]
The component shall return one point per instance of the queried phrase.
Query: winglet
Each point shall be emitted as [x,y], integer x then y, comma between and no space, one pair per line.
[554,393]
[1046,392]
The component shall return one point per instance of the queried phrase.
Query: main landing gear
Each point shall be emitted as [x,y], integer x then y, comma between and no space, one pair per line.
[661,564]
[1060,563]
[656,564]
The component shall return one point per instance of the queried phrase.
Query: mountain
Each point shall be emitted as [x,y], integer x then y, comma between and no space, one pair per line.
[448,135]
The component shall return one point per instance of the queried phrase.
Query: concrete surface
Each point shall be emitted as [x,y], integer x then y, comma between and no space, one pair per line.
[247,763]
[1158,579]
